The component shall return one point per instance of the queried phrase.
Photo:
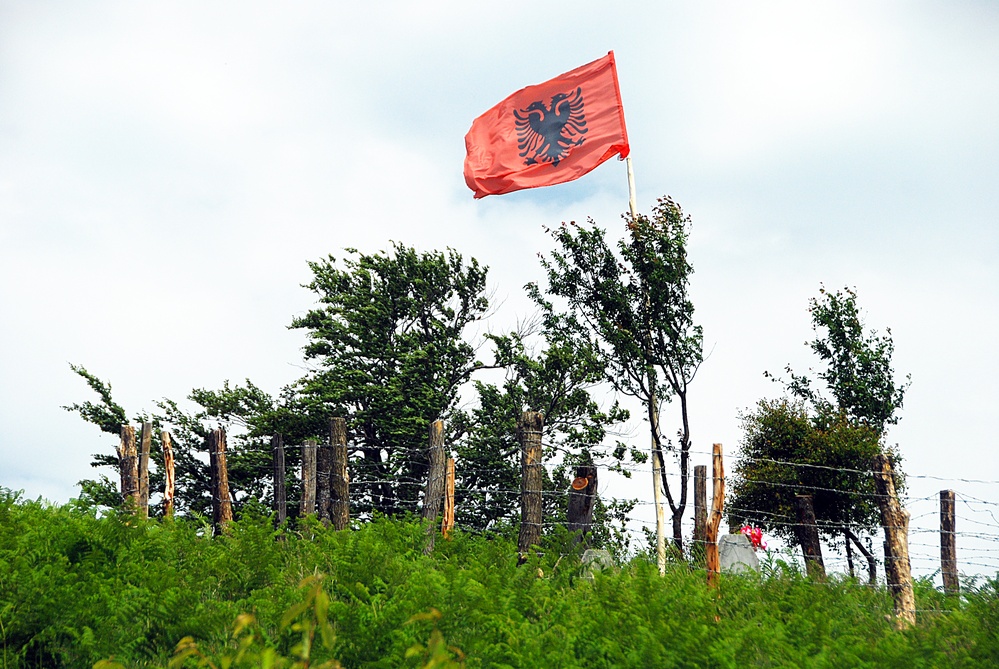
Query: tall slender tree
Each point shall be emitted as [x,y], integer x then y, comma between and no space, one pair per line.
[633,308]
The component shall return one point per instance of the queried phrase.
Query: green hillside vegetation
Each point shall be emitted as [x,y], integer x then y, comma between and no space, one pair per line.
[77,589]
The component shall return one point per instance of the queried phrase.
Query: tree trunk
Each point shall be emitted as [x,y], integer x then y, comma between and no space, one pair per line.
[849,555]
[339,476]
[895,521]
[529,434]
[582,498]
[808,537]
[221,504]
[128,467]
[872,564]
[169,485]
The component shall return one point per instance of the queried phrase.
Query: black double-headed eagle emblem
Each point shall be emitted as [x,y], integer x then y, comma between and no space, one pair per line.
[545,134]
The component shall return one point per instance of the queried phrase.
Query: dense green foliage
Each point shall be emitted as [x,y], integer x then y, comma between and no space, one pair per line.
[76,589]
[785,453]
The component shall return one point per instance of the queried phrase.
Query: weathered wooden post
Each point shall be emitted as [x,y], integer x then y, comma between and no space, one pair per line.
[280,495]
[807,532]
[948,543]
[128,467]
[712,559]
[170,482]
[895,520]
[324,468]
[700,506]
[582,498]
[339,476]
[308,505]
[433,497]
[221,503]
[145,445]
[529,430]
[447,523]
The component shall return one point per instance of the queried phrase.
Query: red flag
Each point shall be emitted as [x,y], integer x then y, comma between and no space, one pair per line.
[549,133]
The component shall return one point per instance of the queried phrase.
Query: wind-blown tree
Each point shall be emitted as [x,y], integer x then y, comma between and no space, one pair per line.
[633,309]
[823,444]
[388,342]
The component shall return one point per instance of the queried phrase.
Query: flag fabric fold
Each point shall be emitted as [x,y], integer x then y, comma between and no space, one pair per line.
[549,133]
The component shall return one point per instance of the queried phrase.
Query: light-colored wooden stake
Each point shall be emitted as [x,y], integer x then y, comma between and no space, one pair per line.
[128,467]
[145,445]
[447,523]
[948,543]
[170,482]
[532,476]
[717,510]
[895,520]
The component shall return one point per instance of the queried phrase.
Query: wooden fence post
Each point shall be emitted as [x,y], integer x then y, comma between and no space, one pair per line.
[280,495]
[308,505]
[582,498]
[529,431]
[324,468]
[948,543]
[170,482]
[447,523]
[128,467]
[895,520]
[807,532]
[433,497]
[700,506]
[339,475]
[221,504]
[717,509]
[145,445]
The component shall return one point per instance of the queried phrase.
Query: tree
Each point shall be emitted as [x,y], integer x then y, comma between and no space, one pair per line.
[821,446]
[634,310]
[388,341]
[858,371]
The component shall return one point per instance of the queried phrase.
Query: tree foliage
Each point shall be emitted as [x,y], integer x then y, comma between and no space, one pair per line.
[786,452]
[858,365]
[632,307]
[390,353]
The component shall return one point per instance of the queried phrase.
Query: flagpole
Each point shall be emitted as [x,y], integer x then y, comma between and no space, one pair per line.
[631,188]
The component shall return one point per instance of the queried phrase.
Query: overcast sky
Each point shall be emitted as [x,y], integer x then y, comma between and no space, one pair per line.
[167,169]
